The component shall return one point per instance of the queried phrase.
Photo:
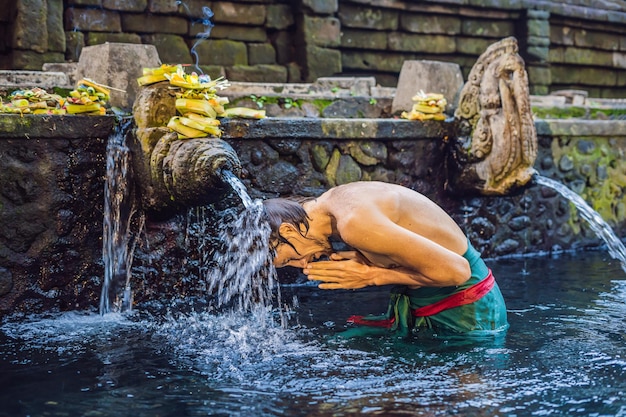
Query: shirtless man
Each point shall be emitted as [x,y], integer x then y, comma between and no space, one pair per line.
[397,236]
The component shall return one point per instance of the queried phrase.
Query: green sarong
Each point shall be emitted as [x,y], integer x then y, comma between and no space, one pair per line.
[484,317]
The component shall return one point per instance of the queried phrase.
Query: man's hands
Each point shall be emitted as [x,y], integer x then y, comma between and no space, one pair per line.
[345,270]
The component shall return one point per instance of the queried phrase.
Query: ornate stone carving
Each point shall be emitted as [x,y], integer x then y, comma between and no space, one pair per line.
[496,142]
[172,173]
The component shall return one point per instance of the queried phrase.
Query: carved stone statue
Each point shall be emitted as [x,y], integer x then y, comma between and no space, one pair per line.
[496,143]
[173,173]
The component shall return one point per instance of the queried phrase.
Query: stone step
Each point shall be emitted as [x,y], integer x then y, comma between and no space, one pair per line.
[27,79]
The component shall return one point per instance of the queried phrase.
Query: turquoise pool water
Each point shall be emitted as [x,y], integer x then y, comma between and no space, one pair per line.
[564,355]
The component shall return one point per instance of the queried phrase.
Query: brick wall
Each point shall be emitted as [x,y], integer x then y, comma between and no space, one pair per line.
[579,44]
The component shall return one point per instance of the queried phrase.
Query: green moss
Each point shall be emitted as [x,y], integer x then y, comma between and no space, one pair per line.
[604,176]
[321,104]
[284,102]
[607,113]
[570,112]
[559,112]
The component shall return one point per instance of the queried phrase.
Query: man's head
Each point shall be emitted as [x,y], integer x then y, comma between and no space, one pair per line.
[282,210]
[289,224]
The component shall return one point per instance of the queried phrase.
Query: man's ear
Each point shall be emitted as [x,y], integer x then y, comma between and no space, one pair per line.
[287,230]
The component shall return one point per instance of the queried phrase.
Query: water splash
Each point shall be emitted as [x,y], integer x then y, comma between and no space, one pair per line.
[245,277]
[235,259]
[598,225]
[117,256]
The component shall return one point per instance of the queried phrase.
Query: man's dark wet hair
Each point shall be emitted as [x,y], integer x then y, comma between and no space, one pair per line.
[284,210]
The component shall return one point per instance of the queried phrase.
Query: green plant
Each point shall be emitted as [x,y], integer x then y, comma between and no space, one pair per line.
[259,101]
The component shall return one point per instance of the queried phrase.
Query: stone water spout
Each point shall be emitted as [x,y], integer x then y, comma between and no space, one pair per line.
[496,143]
[172,173]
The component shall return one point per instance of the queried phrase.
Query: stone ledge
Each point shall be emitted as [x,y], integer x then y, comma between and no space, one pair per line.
[577,127]
[349,129]
[31,126]
[29,79]
[87,127]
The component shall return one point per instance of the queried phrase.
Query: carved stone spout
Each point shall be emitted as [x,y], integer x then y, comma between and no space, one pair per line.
[496,142]
[175,173]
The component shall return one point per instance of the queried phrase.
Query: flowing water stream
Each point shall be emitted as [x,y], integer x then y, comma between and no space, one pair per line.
[117,253]
[596,223]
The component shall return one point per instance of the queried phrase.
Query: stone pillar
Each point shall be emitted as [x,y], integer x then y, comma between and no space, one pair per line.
[35,35]
[117,65]
[430,77]
[537,48]
[319,35]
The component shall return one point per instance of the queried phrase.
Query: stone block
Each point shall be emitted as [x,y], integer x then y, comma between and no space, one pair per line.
[213,71]
[261,53]
[28,79]
[368,18]
[372,61]
[222,52]
[619,60]
[538,14]
[472,46]
[279,16]
[97,38]
[284,47]
[118,66]
[539,75]
[583,56]
[538,27]
[537,53]
[251,14]
[94,20]
[600,40]
[430,77]
[163,6]
[31,60]
[488,28]
[90,3]
[56,33]
[146,23]
[363,39]
[67,68]
[234,32]
[432,44]
[257,73]
[320,62]
[321,6]
[74,42]
[537,41]
[197,9]
[294,75]
[565,75]
[126,5]
[430,24]
[346,86]
[172,49]
[321,31]
[539,90]
[30,26]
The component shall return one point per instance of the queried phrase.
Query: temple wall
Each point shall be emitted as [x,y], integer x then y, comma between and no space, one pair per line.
[51,195]
[566,45]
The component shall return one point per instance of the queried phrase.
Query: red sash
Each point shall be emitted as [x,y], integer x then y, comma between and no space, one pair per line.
[463,297]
